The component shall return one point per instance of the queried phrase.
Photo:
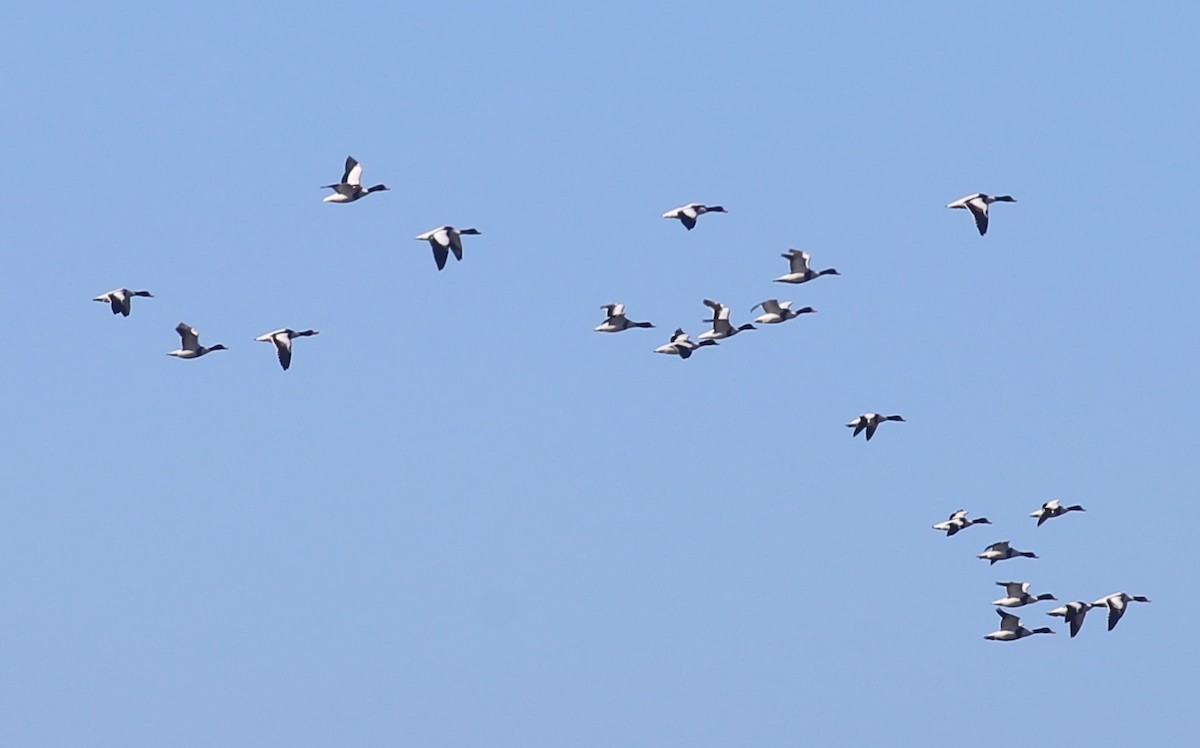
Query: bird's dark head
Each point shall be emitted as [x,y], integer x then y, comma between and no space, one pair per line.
[379,188]
[806,310]
[747,326]
[473,232]
[218,347]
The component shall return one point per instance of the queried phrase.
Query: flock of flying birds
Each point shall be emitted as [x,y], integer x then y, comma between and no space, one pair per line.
[1016,594]
[445,240]
[776,311]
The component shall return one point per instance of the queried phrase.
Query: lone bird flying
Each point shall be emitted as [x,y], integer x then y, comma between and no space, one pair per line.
[1011,629]
[1017,594]
[870,422]
[1002,551]
[616,320]
[1073,613]
[1053,508]
[444,240]
[283,342]
[189,343]
[958,521]
[776,311]
[687,214]
[120,299]
[350,188]
[681,346]
[799,271]
[721,327]
[1116,604]
[978,205]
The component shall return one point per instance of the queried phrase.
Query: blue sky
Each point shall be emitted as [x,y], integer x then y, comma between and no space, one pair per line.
[462,518]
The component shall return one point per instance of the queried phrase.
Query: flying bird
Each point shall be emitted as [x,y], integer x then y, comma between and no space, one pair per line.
[444,240]
[681,346]
[1017,594]
[616,320]
[1011,629]
[870,422]
[721,327]
[1116,604]
[687,214]
[283,343]
[958,521]
[978,205]
[350,188]
[1053,508]
[1002,551]
[800,272]
[776,311]
[189,343]
[120,299]
[1073,613]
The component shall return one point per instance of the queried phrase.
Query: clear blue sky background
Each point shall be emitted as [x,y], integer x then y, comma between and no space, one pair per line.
[464,519]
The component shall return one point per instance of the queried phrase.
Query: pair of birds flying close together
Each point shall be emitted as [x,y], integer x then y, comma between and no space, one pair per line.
[1073,613]
[977,203]
[958,520]
[189,345]
[444,239]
